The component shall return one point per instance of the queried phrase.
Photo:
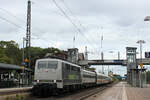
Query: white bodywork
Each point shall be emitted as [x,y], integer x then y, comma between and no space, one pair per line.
[102,79]
[88,76]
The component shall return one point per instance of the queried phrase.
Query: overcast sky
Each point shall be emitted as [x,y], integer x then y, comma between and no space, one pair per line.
[121,22]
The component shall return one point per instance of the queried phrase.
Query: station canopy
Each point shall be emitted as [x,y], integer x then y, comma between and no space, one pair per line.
[10,67]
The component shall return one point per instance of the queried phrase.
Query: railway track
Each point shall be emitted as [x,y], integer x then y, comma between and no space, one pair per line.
[78,95]
[88,93]
[91,93]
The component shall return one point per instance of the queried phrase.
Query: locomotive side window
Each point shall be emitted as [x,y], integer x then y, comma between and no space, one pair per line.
[78,69]
[52,64]
[67,66]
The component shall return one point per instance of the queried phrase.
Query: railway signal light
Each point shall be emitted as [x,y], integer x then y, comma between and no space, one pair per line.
[26,60]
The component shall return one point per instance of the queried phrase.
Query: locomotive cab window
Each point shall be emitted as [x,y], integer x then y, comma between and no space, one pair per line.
[42,64]
[52,64]
[48,65]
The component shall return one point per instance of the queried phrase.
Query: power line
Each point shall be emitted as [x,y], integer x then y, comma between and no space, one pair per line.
[70,20]
[18,26]
[10,22]
[11,14]
[65,4]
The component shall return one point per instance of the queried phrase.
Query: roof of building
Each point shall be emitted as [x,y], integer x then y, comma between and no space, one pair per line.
[11,67]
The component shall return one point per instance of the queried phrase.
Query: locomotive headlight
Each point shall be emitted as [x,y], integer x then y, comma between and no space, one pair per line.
[37,81]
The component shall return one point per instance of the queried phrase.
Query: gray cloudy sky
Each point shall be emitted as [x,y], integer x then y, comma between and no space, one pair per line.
[120,22]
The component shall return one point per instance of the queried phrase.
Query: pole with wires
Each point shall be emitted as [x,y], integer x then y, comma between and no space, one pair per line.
[74,42]
[102,55]
[28,41]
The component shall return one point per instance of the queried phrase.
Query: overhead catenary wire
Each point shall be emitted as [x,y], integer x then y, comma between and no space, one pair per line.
[18,26]
[81,25]
[10,22]
[11,14]
[78,30]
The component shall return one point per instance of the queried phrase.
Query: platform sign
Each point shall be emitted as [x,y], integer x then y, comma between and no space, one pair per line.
[147,54]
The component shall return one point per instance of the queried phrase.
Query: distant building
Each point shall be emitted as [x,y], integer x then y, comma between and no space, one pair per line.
[62,55]
[73,55]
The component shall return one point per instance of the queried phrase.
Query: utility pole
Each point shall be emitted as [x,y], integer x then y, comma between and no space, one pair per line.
[28,38]
[141,64]
[24,39]
[102,54]
[118,55]
[23,63]
[74,42]
[86,53]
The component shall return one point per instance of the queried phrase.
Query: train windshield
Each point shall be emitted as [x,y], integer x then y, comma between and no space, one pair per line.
[52,64]
[47,64]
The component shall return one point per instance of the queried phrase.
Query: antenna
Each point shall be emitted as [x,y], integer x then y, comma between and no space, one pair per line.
[74,42]
[86,53]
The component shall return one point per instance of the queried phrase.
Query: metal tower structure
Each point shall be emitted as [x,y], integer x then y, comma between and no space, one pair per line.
[28,44]
[28,35]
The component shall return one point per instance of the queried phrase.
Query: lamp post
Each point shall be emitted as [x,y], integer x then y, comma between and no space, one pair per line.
[23,63]
[24,39]
[141,64]
[140,42]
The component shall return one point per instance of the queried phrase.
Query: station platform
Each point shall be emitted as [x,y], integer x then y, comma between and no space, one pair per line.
[123,91]
[5,91]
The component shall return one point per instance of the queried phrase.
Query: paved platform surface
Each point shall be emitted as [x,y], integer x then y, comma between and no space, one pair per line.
[123,91]
[14,89]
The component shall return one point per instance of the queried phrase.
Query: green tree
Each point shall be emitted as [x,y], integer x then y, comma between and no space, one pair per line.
[10,52]
[35,54]
[6,60]
[148,76]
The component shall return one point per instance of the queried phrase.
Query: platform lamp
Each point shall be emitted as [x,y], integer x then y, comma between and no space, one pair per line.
[141,64]
[147,18]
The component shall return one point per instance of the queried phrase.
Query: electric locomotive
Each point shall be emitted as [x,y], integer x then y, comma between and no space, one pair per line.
[53,76]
